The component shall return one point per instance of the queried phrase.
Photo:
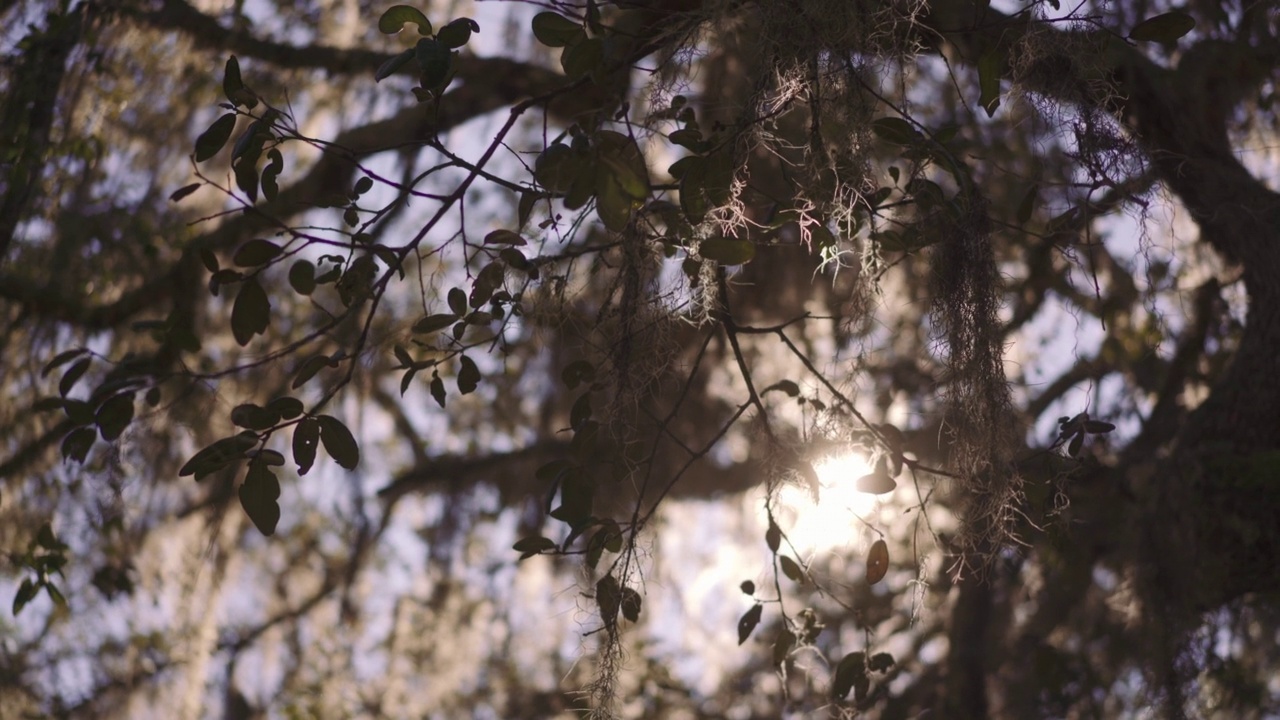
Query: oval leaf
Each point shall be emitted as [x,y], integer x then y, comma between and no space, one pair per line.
[251,313]
[339,442]
[256,252]
[877,562]
[894,130]
[306,436]
[1166,28]
[750,619]
[213,139]
[554,30]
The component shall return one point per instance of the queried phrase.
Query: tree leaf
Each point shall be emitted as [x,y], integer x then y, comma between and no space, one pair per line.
[848,670]
[389,68]
[256,252]
[61,359]
[791,569]
[434,323]
[582,57]
[115,415]
[726,251]
[434,61]
[77,443]
[457,301]
[782,645]
[306,437]
[437,389]
[215,138]
[554,30]
[989,81]
[302,277]
[876,483]
[251,313]
[748,622]
[530,546]
[880,662]
[338,441]
[258,495]
[26,593]
[877,562]
[895,130]
[73,375]
[1028,204]
[504,237]
[631,602]
[609,599]
[218,455]
[182,192]
[747,587]
[395,17]
[287,408]
[457,33]
[773,536]
[1165,28]
[308,369]
[468,375]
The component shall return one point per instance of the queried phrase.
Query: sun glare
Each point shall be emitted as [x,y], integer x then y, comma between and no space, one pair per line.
[832,521]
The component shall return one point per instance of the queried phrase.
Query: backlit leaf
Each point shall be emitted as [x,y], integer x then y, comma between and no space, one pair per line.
[791,569]
[554,30]
[256,252]
[894,130]
[748,622]
[338,441]
[73,375]
[989,81]
[395,17]
[115,415]
[306,437]
[76,445]
[468,375]
[258,495]
[215,138]
[251,313]
[877,562]
[850,668]
[1166,28]
[631,602]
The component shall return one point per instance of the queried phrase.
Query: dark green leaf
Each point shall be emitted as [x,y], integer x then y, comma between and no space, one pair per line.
[1028,204]
[877,562]
[530,546]
[577,372]
[434,323]
[503,237]
[1166,28]
[302,277]
[457,301]
[581,411]
[782,645]
[339,442]
[183,192]
[73,375]
[880,662]
[789,387]
[212,140]
[748,622]
[468,375]
[251,313]
[791,568]
[631,602]
[434,61]
[306,437]
[894,130]
[258,495]
[76,445]
[577,498]
[26,592]
[773,536]
[256,252]
[395,17]
[726,251]
[308,370]
[609,599]
[848,670]
[218,455]
[989,81]
[115,415]
[287,408]
[457,33]
[555,30]
[389,68]
[582,57]
[61,359]
[437,389]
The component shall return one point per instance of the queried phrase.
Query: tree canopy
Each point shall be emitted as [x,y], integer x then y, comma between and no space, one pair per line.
[662,359]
